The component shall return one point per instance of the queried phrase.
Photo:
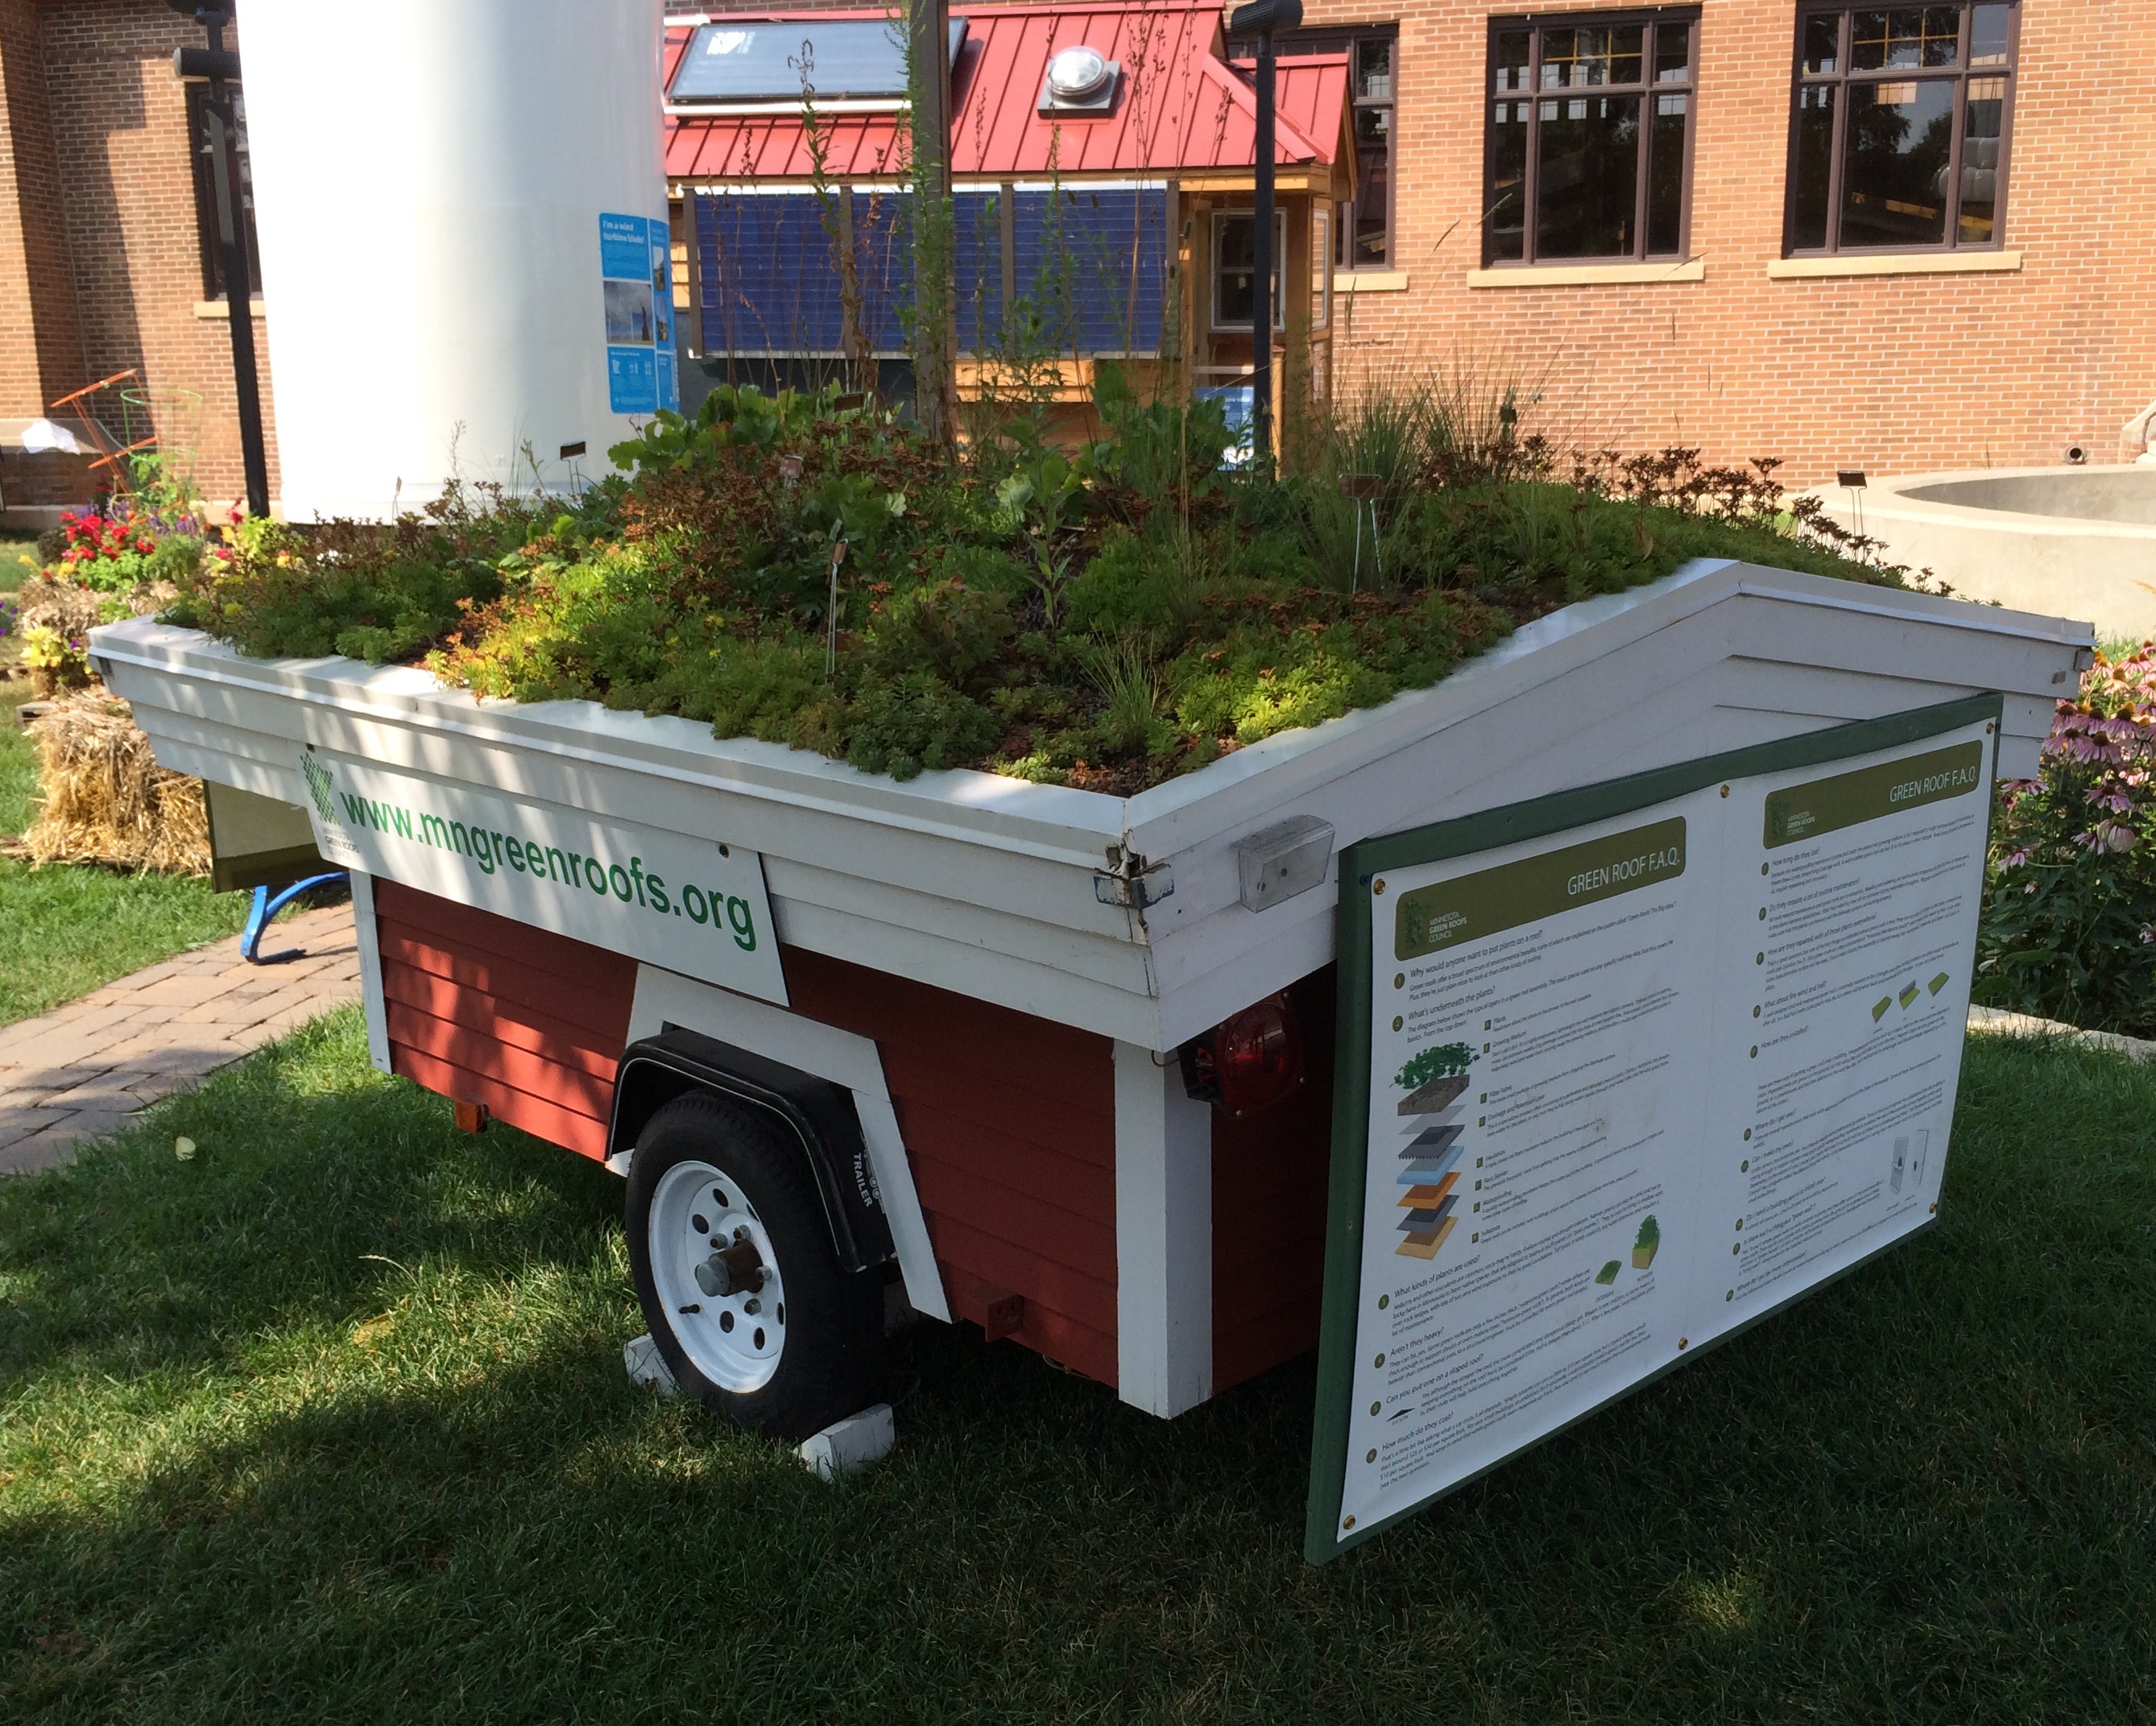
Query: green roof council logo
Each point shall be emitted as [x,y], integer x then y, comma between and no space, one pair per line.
[320,784]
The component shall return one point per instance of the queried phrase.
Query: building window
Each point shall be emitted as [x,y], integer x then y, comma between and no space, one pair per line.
[1235,270]
[1365,227]
[205,175]
[1589,141]
[1899,128]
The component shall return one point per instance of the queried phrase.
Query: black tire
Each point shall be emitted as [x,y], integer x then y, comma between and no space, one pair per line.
[830,1347]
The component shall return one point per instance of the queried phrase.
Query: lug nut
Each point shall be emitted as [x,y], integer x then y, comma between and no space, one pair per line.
[739,1268]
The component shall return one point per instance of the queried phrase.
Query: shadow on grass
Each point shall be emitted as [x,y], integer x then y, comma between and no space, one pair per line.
[332,1423]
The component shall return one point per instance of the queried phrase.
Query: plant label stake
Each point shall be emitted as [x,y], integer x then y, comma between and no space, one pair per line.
[1364,489]
[831,617]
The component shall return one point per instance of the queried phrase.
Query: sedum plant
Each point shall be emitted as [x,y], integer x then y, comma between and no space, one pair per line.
[809,570]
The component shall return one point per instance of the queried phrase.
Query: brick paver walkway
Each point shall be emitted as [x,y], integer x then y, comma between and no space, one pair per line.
[76,1072]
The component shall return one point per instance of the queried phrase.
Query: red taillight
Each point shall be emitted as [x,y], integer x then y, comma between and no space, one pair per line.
[1257,1056]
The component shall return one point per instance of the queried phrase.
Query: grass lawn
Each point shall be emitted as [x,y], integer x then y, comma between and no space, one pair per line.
[64,931]
[329,1423]
[14,548]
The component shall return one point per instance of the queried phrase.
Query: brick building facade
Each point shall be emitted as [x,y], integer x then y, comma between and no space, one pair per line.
[100,258]
[1897,363]
[2041,340]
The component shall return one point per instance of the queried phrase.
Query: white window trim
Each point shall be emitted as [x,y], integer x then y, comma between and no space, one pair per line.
[1584,276]
[1971,262]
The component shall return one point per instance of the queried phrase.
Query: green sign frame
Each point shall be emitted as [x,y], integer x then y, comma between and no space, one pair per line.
[1515,823]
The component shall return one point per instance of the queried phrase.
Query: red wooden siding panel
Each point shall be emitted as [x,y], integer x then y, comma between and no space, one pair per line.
[1056,1234]
[1006,1112]
[1082,1187]
[1010,1123]
[485,1010]
[1009,1120]
[572,980]
[542,1116]
[519,1026]
[941,1044]
[1270,1173]
[533,1071]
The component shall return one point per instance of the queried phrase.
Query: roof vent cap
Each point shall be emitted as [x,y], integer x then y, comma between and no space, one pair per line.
[1080,80]
[1077,73]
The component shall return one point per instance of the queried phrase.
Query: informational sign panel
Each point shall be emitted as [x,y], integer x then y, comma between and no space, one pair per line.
[1625,1070]
[689,905]
[636,278]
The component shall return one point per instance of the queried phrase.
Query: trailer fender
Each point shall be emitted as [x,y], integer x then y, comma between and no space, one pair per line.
[667,1001]
[813,1113]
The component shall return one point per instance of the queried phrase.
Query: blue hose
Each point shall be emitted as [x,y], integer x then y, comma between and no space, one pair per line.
[265,907]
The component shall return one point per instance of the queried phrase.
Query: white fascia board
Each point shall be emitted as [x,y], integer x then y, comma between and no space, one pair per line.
[1058,965]
[1163,1236]
[1696,685]
[1049,821]
[2013,651]
[1361,792]
[209,752]
[1171,818]
[1023,985]
[963,912]
[368,939]
[1903,603]
[963,923]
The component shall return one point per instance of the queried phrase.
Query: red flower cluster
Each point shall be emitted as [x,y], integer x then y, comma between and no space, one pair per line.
[91,536]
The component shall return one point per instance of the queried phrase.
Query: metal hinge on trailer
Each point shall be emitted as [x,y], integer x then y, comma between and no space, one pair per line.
[1128,882]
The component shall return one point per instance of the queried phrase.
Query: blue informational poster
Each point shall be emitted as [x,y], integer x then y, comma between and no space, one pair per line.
[636,282]
[1239,402]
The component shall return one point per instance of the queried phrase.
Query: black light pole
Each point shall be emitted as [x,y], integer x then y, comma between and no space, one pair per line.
[218,67]
[1262,18]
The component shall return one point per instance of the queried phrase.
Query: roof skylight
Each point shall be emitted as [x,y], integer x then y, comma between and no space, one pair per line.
[746,62]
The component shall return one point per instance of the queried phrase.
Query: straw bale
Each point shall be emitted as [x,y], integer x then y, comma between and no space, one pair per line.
[67,607]
[106,799]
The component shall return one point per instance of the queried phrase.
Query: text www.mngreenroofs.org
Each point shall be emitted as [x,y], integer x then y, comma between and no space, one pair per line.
[488,851]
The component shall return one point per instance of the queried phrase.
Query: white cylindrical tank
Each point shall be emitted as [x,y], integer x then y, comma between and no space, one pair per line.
[461,208]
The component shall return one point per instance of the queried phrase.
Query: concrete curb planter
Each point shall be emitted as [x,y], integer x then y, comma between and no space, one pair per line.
[2080,541]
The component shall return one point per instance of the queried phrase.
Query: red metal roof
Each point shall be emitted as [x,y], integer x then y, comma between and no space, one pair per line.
[1180,107]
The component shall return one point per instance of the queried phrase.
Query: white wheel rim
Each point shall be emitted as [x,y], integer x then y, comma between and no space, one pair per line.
[735,1340]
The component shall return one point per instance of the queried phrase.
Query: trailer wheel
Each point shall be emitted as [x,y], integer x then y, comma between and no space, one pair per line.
[733,1262]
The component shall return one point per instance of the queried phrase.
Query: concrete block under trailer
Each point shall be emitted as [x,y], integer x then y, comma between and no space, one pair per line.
[931,1033]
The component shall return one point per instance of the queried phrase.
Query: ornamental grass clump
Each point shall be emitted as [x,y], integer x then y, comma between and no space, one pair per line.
[805,570]
[2069,929]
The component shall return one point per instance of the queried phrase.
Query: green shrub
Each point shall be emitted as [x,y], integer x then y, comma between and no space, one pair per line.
[2069,929]
[1132,583]
[917,721]
[945,627]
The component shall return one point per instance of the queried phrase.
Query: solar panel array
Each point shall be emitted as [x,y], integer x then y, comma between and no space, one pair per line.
[1090,275]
